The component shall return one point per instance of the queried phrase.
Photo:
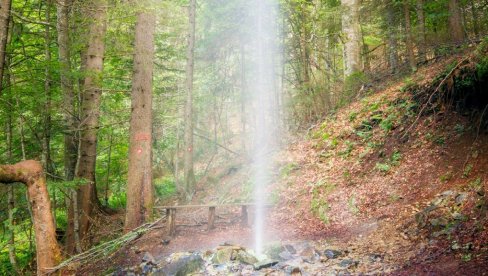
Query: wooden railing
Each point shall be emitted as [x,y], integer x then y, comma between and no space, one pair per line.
[171,213]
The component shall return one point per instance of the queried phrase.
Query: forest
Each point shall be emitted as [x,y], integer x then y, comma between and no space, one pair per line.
[243,137]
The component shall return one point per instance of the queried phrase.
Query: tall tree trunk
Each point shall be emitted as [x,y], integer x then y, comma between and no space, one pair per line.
[10,192]
[391,36]
[46,135]
[408,37]
[4,28]
[421,30]
[70,142]
[188,161]
[139,185]
[474,14]
[31,174]
[455,22]
[352,36]
[91,100]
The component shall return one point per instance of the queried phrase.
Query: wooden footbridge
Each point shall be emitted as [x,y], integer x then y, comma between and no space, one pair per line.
[171,213]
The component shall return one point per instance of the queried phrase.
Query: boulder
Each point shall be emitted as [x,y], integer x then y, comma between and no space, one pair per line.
[332,254]
[183,266]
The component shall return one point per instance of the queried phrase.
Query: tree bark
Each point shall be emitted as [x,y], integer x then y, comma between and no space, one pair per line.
[188,159]
[352,39]
[31,174]
[391,36]
[474,14]
[421,30]
[70,141]
[91,100]
[46,135]
[408,37]
[139,185]
[455,22]
[4,27]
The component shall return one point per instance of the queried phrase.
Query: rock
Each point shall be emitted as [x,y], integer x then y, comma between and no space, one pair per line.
[285,255]
[332,254]
[183,266]
[373,258]
[309,255]
[264,264]
[292,271]
[165,242]
[246,258]
[438,222]
[290,249]
[348,263]
[458,216]
[447,193]
[460,198]
[223,255]
[148,258]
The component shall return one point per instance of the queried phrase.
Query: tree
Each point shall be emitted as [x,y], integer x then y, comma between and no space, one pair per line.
[188,161]
[421,30]
[408,36]
[392,44]
[352,33]
[4,22]
[87,199]
[456,30]
[139,185]
[70,142]
[31,174]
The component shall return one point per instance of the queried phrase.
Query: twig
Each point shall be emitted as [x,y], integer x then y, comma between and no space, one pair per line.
[432,95]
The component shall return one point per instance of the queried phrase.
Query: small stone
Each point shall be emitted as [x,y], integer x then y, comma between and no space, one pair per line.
[165,242]
[460,198]
[292,270]
[264,264]
[375,258]
[137,250]
[148,258]
[347,263]
[332,254]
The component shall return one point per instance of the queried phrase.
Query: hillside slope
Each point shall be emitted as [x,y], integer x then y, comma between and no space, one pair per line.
[402,173]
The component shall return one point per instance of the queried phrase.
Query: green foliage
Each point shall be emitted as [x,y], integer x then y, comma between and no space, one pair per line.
[352,205]
[467,170]
[117,201]
[383,167]
[165,187]
[288,169]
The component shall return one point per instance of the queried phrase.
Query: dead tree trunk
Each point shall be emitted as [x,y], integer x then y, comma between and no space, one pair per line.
[31,174]
[139,185]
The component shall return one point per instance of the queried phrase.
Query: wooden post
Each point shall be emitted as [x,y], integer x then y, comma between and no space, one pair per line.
[244,215]
[211,218]
[171,217]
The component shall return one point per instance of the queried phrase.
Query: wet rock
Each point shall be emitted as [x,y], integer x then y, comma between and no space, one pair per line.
[332,254]
[285,255]
[222,256]
[264,264]
[290,248]
[245,258]
[183,266]
[309,255]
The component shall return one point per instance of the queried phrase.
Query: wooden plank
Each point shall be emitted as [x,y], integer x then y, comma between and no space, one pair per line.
[244,216]
[171,217]
[210,205]
[211,218]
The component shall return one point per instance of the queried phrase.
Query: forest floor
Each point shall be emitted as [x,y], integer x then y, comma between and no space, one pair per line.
[367,182]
